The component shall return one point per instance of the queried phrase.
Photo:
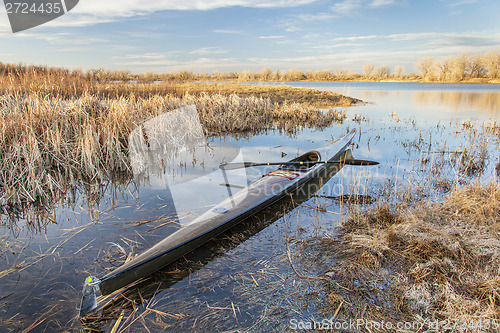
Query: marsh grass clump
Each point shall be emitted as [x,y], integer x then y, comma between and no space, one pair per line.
[464,163]
[275,94]
[435,261]
[60,130]
[473,161]
[492,127]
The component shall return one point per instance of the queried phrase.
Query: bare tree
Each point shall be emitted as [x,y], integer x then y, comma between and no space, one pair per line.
[491,61]
[322,75]
[461,67]
[216,75]
[383,72]
[399,71]
[444,69]
[318,75]
[424,66]
[123,75]
[342,73]
[266,74]
[369,68]
[476,66]
[96,74]
[309,75]
[277,76]
[294,75]
[246,76]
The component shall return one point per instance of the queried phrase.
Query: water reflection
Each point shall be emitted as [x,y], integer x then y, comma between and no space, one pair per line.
[167,141]
[135,301]
[485,102]
[170,152]
[484,98]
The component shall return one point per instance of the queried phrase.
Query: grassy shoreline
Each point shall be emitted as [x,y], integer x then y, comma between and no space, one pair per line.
[58,130]
[427,263]
[277,94]
[394,80]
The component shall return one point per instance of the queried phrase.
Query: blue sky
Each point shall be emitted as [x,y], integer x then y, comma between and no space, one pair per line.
[237,35]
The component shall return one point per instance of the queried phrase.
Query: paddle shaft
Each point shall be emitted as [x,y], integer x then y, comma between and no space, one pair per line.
[231,166]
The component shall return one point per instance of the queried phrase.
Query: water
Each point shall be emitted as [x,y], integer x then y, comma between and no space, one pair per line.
[423,135]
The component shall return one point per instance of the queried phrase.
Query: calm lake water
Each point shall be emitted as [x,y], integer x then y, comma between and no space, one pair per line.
[428,139]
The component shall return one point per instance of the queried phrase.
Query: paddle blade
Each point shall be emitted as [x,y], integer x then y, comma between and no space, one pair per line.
[353,161]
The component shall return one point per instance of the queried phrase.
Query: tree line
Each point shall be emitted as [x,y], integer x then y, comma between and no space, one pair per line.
[463,67]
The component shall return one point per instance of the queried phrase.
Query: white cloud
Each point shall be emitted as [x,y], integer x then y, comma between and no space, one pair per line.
[347,59]
[350,52]
[60,38]
[317,17]
[200,64]
[347,7]
[291,25]
[228,31]
[125,8]
[148,63]
[91,12]
[355,38]
[271,37]
[149,56]
[382,3]
[355,53]
[413,36]
[77,20]
[296,23]
[208,50]
[458,3]
[4,22]
[470,39]
[335,46]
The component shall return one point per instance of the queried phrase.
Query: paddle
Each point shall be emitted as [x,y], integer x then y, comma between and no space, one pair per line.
[239,165]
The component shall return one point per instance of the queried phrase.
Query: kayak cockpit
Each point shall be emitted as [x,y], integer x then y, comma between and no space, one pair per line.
[306,160]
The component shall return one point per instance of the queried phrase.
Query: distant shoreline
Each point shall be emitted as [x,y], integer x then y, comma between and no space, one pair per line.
[463,68]
[468,81]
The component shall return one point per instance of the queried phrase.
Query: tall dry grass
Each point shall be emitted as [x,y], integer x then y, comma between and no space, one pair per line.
[436,261]
[59,130]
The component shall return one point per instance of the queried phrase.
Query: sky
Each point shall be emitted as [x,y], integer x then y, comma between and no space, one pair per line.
[238,35]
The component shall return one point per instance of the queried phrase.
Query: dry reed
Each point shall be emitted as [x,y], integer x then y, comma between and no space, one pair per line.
[60,129]
[436,261]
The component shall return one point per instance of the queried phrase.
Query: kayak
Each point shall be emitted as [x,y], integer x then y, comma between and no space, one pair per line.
[288,179]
